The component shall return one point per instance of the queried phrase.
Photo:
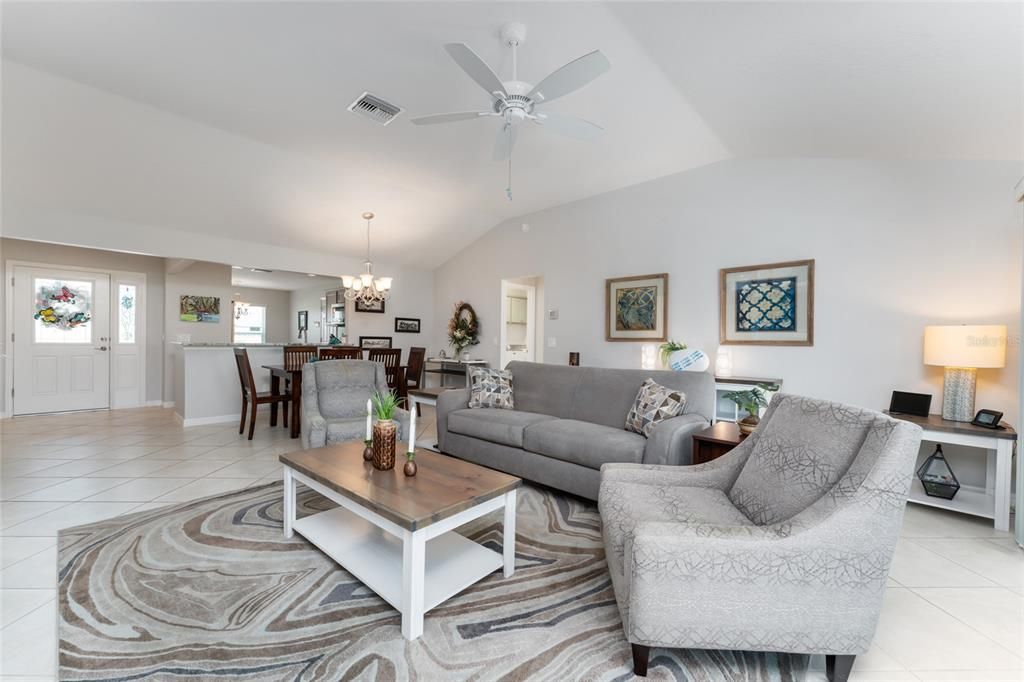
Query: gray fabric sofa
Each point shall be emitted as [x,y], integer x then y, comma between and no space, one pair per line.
[569,421]
[334,395]
[783,544]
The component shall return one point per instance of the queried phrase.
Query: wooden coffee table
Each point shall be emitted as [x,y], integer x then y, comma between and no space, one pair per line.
[395,533]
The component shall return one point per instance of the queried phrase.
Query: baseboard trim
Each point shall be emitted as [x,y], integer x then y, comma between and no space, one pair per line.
[204,421]
[166,403]
[155,403]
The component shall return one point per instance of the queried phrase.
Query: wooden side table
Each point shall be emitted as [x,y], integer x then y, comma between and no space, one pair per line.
[715,441]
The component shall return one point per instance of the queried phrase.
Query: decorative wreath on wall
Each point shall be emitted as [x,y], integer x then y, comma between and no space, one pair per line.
[463,328]
[59,307]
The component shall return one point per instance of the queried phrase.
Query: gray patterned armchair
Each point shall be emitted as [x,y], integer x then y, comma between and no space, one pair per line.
[781,545]
[334,395]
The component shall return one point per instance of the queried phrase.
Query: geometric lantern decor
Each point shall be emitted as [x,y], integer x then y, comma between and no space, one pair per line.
[936,476]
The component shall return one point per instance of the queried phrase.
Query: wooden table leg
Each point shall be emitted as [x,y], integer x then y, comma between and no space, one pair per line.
[296,398]
[275,388]
[414,555]
[508,534]
[289,502]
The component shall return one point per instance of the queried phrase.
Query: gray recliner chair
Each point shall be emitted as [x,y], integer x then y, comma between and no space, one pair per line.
[781,545]
[334,395]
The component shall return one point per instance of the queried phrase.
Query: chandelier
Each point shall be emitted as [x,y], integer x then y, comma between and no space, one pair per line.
[365,287]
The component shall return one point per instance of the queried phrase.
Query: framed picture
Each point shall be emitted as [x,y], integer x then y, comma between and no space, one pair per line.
[767,305]
[407,325]
[199,309]
[636,308]
[375,307]
[375,342]
[303,320]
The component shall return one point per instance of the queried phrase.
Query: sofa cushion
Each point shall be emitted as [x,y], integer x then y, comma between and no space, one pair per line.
[625,504]
[545,389]
[653,404]
[803,447]
[497,426]
[583,443]
[490,388]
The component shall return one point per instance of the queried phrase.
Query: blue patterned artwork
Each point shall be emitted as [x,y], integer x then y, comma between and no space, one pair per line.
[636,308]
[766,305]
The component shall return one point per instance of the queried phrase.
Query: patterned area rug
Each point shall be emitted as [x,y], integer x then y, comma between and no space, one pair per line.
[212,590]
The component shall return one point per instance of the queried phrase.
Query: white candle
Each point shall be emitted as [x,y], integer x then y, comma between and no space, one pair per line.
[412,430]
[369,411]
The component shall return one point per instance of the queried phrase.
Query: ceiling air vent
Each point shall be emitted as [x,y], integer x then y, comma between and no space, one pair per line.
[375,109]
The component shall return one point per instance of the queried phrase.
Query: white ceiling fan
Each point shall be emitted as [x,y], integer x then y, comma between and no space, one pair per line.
[515,101]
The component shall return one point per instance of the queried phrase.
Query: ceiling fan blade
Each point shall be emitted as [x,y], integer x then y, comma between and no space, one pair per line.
[476,68]
[570,126]
[570,77]
[449,118]
[505,141]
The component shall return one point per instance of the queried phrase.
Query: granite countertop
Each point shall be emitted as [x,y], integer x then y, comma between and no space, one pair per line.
[234,345]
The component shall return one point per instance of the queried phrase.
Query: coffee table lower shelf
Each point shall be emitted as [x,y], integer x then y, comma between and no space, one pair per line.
[374,556]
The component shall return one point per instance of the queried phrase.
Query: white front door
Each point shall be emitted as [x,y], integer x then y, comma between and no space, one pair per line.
[61,340]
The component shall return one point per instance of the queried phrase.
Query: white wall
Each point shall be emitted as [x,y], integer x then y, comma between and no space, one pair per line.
[897,246]
[411,296]
[214,279]
[57,254]
[280,322]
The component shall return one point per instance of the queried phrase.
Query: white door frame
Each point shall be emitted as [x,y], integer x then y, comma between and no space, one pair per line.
[116,276]
[531,320]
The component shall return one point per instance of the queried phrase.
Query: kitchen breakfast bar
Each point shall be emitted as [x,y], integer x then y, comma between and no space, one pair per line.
[206,387]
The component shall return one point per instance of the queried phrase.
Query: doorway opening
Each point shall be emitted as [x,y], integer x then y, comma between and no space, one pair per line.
[520,331]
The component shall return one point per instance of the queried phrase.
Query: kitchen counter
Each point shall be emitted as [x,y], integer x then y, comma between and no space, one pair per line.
[206,386]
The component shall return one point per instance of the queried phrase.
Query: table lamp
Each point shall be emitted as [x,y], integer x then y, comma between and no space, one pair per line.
[963,350]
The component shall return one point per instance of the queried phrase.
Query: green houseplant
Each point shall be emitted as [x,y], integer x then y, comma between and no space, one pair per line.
[668,348]
[385,431]
[751,401]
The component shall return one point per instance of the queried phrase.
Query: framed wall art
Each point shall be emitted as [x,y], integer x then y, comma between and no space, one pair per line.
[199,309]
[636,308]
[767,305]
[375,307]
[407,325]
[375,342]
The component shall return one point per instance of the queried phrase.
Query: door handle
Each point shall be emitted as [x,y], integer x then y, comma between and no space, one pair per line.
[100,348]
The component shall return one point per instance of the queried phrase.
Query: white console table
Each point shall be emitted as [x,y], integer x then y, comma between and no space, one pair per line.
[990,502]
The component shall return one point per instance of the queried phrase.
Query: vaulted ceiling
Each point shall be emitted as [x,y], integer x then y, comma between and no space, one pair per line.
[230,118]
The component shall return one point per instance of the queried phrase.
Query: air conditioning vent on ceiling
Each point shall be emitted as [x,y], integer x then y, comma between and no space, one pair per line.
[375,109]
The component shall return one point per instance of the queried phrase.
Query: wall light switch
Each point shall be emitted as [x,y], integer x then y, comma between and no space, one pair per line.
[552,342]
[553,314]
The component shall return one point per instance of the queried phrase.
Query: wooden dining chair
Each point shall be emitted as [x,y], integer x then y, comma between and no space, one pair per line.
[413,374]
[296,356]
[341,353]
[252,397]
[391,358]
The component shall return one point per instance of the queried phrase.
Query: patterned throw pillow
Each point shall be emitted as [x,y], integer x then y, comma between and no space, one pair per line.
[653,403]
[490,388]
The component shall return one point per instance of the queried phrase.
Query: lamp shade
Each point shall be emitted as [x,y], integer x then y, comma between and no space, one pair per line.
[967,345]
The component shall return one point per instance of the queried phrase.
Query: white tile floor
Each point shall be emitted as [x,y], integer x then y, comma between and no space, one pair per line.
[954,609]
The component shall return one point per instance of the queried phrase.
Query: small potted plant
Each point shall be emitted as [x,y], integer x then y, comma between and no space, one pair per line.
[385,430]
[751,401]
[668,348]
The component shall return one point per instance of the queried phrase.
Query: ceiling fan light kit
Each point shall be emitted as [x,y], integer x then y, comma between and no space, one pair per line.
[516,101]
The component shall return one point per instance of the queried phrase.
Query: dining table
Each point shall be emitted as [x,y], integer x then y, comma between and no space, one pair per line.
[293,378]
